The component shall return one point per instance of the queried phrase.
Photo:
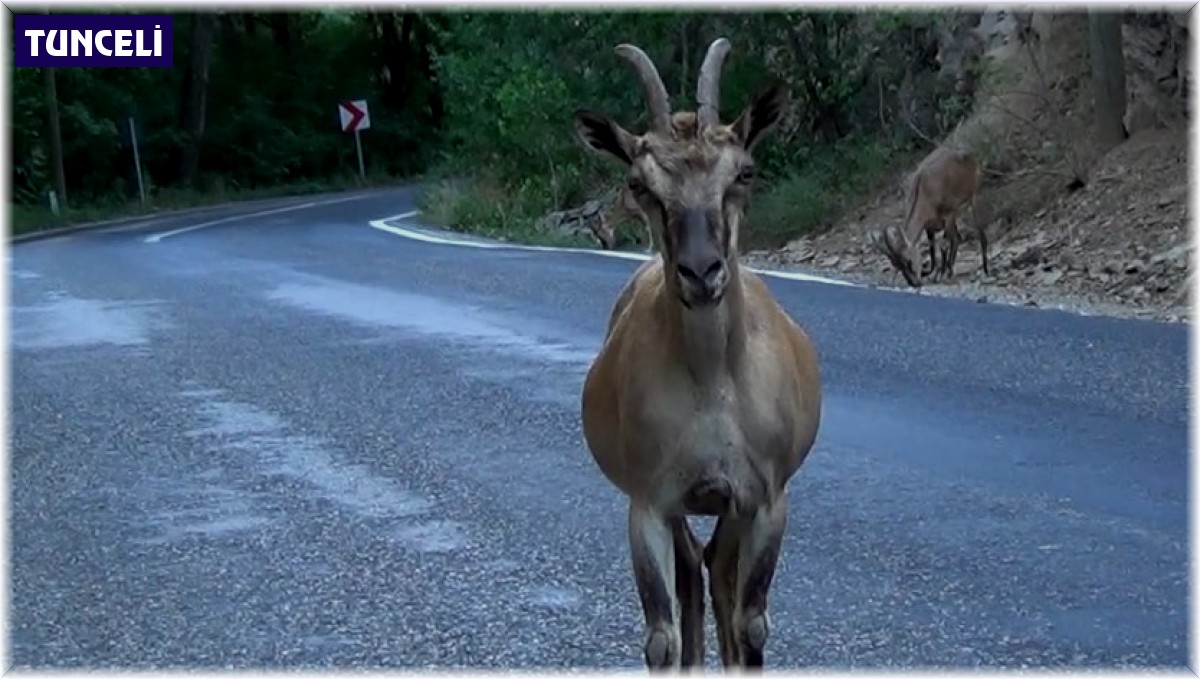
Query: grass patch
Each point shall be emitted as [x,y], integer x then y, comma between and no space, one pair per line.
[29,218]
[793,206]
[484,206]
[812,200]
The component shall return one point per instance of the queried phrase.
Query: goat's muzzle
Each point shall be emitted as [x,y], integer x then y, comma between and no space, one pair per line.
[699,262]
[888,242]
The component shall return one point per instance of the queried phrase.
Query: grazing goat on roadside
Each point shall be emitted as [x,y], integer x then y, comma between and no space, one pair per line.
[943,187]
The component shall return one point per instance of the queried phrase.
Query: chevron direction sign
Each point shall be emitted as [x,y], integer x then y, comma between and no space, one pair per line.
[354,115]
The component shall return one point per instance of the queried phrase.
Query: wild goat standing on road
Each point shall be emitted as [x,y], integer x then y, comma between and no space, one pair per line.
[943,187]
[705,397]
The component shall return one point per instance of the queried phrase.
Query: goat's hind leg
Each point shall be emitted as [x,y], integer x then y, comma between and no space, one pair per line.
[980,231]
[652,549]
[741,558]
[720,556]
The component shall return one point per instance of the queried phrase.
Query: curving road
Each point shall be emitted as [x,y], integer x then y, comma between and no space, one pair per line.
[271,435]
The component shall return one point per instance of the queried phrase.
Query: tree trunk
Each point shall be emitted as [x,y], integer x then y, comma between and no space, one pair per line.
[281,32]
[56,150]
[396,52]
[195,94]
[1108,75]
[684,55]
[425,37]
[1183,47]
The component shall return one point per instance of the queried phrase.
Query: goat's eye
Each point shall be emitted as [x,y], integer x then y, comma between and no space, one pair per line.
[635,184]
[746,175]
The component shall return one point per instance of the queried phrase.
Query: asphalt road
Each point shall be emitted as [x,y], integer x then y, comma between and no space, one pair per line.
[293,440]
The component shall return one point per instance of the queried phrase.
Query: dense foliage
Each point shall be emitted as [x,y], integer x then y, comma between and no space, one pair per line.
[485,97]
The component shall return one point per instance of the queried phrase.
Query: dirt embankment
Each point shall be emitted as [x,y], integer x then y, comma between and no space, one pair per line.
[1118,245]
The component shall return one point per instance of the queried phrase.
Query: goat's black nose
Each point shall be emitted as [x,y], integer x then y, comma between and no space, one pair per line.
[698,259]
[702,271]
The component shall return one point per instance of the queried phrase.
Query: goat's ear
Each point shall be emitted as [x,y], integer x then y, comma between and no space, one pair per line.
[602,134]
[762,115]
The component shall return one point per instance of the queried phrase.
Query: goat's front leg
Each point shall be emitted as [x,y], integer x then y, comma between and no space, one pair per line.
[943,271]
[689,588]
[652,548]
[944,248]
[953,240]
[741,559]
[933,259]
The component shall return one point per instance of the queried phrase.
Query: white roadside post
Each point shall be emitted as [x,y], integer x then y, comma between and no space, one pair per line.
[137,161]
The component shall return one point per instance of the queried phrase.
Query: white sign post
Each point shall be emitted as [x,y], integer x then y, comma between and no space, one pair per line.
[354,116]
[137,161]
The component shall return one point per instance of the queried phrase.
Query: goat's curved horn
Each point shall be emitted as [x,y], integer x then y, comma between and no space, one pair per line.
[708,85]
[882,240]
[652,85]
[894,248]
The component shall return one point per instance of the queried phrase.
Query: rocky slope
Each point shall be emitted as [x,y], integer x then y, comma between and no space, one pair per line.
[1120,245]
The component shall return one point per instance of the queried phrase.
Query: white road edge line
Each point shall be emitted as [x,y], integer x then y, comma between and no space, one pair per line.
[383,225]
[233,218]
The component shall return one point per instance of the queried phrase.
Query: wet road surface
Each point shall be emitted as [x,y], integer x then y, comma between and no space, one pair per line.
[292,440]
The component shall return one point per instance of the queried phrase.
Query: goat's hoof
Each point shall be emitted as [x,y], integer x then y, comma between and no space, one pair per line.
[658,650]
[757,630]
